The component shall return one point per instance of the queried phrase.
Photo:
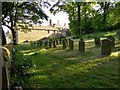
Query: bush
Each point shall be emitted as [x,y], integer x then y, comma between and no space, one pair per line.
[22,66]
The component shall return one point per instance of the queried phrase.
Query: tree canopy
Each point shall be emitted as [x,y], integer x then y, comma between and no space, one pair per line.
[94,16]
[23,14]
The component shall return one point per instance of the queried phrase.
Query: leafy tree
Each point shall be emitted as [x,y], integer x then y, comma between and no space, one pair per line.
[22,15]
[89,19]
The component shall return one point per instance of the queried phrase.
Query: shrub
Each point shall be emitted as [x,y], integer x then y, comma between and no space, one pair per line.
[22,66]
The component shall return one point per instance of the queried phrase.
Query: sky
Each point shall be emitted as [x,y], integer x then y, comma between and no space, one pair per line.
[62,17]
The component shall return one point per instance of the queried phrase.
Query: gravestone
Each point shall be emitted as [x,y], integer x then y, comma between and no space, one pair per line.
[40,43]
[60,40]
[71,44]
[64,44]
[37,43]
[81,45]
[34,43]
[106,47]
[66,41]
[50,44]
[46,43]
[118,34]
[97,41]
[112,40]
[54,44]
[31,43]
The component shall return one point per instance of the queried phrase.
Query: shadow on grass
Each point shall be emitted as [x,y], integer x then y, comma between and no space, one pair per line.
[56,68]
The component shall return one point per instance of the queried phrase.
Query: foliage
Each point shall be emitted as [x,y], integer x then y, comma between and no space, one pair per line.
[104,18]
[21,15]
[21,68]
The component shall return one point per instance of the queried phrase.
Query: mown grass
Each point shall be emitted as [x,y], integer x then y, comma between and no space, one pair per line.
[58,68]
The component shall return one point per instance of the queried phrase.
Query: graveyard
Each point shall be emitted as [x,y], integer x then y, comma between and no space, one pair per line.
[75,65]
[59,44]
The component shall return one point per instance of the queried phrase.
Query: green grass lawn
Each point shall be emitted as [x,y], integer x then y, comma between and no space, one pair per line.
[58,68]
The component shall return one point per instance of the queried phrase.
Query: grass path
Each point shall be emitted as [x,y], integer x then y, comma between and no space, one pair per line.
[58,68]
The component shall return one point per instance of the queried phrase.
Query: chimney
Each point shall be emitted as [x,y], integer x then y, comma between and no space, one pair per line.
[50,22]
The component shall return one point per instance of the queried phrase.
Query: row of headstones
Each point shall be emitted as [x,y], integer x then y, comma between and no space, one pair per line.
[106,44]
[47,43]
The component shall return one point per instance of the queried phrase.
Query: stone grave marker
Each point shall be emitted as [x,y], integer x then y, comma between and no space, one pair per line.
[37,43]
[81,45]
[50,44]
[66,41]
[31,43]
[34,43]
[40,43]
[60,40]
[71,44]
[46,43]
[112,40]
[97,41]
[106,47]
[64,44]
[54,44]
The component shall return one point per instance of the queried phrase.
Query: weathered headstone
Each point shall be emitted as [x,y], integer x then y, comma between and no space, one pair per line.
[40,43]
[34,43]
[60,40]
[64,44]
[46,43]
[54,44]
[97,41]
[112,40]
[81,45]
[118,34]
[31,43]
[37,43]
[50,44]
[66,41]
[71,44]
[106,47]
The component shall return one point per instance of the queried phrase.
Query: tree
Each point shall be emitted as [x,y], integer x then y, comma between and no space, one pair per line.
[85,18]
[22,15]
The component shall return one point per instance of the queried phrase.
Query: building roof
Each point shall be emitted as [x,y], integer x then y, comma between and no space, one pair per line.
[45,28]
[56,27]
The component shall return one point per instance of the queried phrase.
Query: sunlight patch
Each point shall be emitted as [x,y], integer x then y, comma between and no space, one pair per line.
[115,54]
[28,54]
[89,40]
[43,50]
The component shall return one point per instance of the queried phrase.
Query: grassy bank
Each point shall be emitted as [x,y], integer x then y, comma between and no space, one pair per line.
[58,68]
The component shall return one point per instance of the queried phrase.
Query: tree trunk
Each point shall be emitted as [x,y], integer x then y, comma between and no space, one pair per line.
[78,18]
[3,38]
[104,17]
